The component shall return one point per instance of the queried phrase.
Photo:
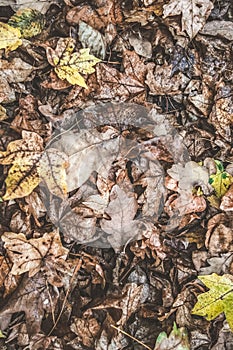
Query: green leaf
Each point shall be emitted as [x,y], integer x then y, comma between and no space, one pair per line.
[221,180]
[177,340]
[29,22]
[218,299]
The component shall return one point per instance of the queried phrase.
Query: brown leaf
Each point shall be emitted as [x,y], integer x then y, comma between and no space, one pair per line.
[86,329]
[32,297]
[227,200]
[30,255]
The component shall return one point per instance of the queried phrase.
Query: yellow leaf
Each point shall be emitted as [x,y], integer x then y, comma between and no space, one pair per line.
[30,22]
[221,180]
[217,300]
[9,37]
[30,165]
[69,64]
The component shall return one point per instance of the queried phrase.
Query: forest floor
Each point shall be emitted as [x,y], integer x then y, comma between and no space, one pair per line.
[116,187]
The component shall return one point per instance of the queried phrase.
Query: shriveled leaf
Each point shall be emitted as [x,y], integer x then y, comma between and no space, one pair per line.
[29,22]
[68,64]
[92,39]
[177,340]
[221,180]
[29,255]
[10,37]
[194,13]
[218,299]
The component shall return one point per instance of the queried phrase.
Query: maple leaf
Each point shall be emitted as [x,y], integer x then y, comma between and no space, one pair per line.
[10,37]
[68,64]
[29,255]
[29,22]
[221,180]
[30,165]
[218,299]
[194,13]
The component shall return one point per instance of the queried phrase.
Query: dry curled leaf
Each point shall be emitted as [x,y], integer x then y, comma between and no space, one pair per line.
[69,64]
[30,255]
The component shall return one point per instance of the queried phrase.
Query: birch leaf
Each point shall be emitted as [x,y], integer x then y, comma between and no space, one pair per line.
[218,299]
[29,22]
[10,37]
[194,14]
[68,64]
[221,180]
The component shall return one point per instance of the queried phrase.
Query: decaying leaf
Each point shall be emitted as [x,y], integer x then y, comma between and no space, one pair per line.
[221,28]
[30,255]
[177,340]
[218,299]
[194,13]
[69,64]
[16,70]
[24,156]
[87,151]
[92,39]
[221,180]
[10,37]
[121,209]
[29,22]
[32,297]
[30,165]
[227,200]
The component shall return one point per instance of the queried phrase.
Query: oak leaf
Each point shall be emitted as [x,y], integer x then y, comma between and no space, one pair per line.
[218,299]
[69,64]
[194,13]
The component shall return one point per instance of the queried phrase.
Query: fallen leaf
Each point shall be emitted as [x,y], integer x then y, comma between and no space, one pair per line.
[30,22]
[218,299]
[92,39]
[122,209]
[86,329]
[177,340]
[227,200]
[193,12]
[30,255]
[221,180]
[223,29]
[16,70]
[141,46]
[68,64]
[217,264]
[32,297]
[24,155]
[10,37]
[30,165]
[40,5]
[88,150]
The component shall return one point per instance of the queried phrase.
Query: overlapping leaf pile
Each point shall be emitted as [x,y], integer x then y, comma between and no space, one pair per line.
[175,59]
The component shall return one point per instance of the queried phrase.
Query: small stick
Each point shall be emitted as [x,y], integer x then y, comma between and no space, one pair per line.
[130,336]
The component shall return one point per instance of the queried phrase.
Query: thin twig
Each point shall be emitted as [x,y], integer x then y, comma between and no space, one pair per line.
[130,336]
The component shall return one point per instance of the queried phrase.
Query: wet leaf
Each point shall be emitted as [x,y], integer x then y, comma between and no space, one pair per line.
[30,165]
[92,39]
[218,299]
[10,37]
[177,340]
[69,64]
[29,22]
[30,255]
[194,13]
[24,155]
[221,180]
